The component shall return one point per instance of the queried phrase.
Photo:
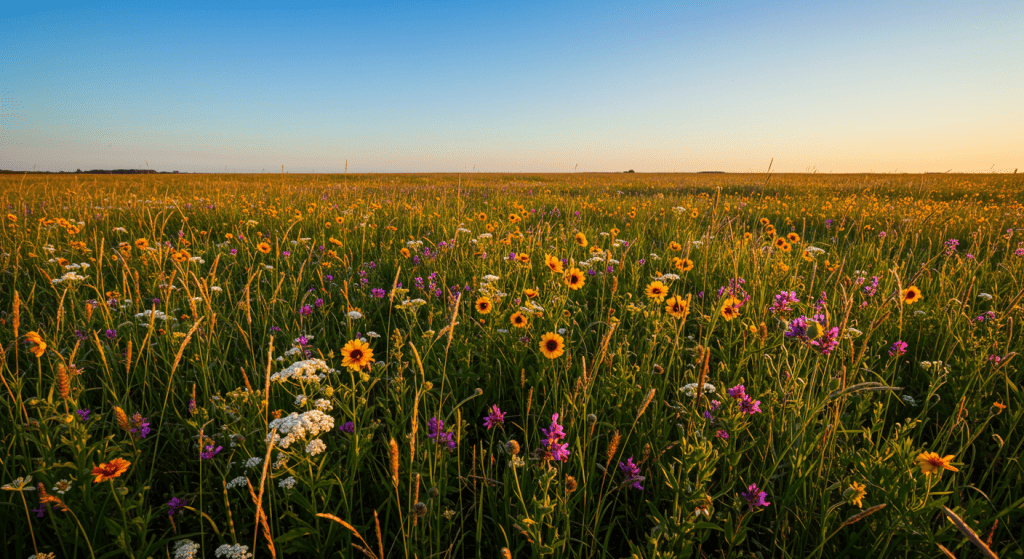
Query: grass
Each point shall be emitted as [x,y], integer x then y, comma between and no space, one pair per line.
[173,307]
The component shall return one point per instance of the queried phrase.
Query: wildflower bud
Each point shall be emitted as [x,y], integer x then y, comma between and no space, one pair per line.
[419,509]
[479,391]
[433,492]
[122,419]
[512,447]
[505,553]
[658,369]
[328,391]
[427,385]
[591,419]
[570,484]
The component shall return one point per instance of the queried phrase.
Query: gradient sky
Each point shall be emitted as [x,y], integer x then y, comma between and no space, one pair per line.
[513,86]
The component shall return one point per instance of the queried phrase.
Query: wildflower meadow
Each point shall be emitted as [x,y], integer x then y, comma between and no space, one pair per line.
[575,365]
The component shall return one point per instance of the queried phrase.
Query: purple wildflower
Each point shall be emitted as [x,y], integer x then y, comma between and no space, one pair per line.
[755,497]
[140,426]
[175,504]
[632,472]
[435,431]
[348,427]
[552,440]
[749,405]
[378,293]
[306,310]
[722,434]
[738,392]
[111,334]
[210,452]
[495,417]
[782,302]
[83,415]
[898,348]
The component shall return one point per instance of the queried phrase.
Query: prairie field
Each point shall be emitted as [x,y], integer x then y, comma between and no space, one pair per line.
[497,365]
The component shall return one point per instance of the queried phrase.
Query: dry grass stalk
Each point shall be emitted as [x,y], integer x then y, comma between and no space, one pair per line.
[863,514]
[967,531]
[393,450]
[645,403]
[364,548]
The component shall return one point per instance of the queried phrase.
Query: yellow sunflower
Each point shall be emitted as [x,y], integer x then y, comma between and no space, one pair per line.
[931,463]
[263,247]
[356,355]
[483,305]
[677,306]
[656,290]
[911,295]
[553,263]
[581,240]
[730,308]
[405,252]
[552,345]
[531,293]
[793,238]
[141,244]
[682,264]
[513,218]
[674,246]
[574,279]
[110,470]
[523,258]
[518,320]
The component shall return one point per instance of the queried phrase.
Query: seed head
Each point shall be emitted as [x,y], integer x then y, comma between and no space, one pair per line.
[512,447]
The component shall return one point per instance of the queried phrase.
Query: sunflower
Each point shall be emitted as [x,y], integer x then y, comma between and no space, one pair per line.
[574,279]
[780,242]
[730,308]
[553,263]
[770,230]
[786,247]
[481,216]
[531,293]
[141,244]
[339,220]
[335,242]
[180,256]
[405,252]
[806,255]
[552,345]
[911,295]
[523,258]
[581,240]
[513,218]
[931,463]
[483,305]
[263,247]
[356,355]
[110,470]
[38,345]
[854,493]
[656,290]
[677,307]
[615,231]
[793,238]
[748,236]
[518,320]
[695,214]
[674,246]
[682,264]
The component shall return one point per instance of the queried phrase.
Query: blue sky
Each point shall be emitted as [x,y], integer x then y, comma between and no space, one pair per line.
[513,86]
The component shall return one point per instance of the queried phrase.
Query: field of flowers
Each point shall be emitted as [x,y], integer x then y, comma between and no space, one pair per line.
[599,366]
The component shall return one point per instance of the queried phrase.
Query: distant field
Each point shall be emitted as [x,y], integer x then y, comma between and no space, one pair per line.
[484,365]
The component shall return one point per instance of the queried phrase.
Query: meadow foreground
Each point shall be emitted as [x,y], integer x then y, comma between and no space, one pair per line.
[600,366]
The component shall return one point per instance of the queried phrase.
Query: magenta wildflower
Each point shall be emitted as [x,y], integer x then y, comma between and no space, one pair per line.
[749,405]
[175,504]
[209,452]
[436,432]
[83,415]
[898,348]
[495,417]
[737,392]
[348,427]
[140,426]
[552,440]
[632,472]
[722,434]
[755,497]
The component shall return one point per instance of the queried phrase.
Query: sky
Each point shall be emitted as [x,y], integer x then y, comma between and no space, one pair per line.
[497,86]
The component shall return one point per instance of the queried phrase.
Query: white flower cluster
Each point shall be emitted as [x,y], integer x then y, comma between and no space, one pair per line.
[315,446]
[691,389]
[237,551]
[414,244]
[216,289]
[287,483]
[159,315]
[937,365]
[240,481]
[323,405]
[185,549]
[814,251]
[253,462]
[310,370]
[70,276]
[985,296]
[300,400]
[667,277]
[355,315]
[298,426]
[411,304]
[489,278]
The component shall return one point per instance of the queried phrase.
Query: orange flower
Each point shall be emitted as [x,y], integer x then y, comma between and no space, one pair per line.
[581,239]
[356,354]
[38,345]
[911,295]
[552,345]
[931,463]
[553,263]
[110,470]
[574,279]
[518,320]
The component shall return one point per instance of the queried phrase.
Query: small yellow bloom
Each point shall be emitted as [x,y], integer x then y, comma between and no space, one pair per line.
[931,463]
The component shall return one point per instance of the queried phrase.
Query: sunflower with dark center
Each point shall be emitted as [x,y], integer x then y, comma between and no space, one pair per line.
[677,307]
[779,242]
[263,247]
[911,295]
[552,345]
[674,246]
[356,354]
[581,240]
[523,258]
[553,264]
[531,293]
[730,308]
[518,320]
[483,305]
[793,238]
[574,279]
[656,290]
[141,244]
[513,218]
